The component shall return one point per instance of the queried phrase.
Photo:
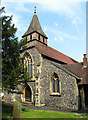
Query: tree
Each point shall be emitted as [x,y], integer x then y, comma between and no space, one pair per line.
[12,69]
[10,54]
[2,10]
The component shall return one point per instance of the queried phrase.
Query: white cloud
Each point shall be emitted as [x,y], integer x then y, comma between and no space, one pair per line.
[76,23]
[60,6]
[58,38]
[71,37]
[45,28]
[77,28]
[21,7]
[15,18]
[61,38]
[56,24]
[63,35]
[28,1]
[64,7]
[55,39]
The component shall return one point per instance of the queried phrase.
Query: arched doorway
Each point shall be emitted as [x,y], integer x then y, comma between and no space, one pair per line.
[28,94]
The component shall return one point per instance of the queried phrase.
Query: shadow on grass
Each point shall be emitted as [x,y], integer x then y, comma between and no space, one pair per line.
[24,110]
[84,115]
[7,112]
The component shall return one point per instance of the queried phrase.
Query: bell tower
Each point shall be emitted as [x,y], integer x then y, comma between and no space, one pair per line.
[35,32]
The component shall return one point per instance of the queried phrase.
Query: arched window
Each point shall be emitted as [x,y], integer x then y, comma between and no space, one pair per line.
[55,84]
[28,64]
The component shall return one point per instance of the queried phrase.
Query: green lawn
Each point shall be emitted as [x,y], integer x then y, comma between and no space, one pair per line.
[7,111]
[26,113]
[50,114]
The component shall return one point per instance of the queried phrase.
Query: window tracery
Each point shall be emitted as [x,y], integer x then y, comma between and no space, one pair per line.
[55,84]
[28,64]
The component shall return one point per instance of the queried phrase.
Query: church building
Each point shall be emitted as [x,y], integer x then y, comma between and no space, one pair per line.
[56,79]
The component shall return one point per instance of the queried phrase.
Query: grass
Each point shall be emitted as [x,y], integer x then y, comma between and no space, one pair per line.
[26,113]
[7,111]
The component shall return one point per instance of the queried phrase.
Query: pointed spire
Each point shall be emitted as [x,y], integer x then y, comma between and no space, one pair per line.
[35,26]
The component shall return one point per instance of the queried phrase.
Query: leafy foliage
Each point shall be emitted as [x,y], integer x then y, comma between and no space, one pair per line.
[12,70]
[10,54]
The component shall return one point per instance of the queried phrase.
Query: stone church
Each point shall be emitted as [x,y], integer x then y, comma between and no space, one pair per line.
[56,79]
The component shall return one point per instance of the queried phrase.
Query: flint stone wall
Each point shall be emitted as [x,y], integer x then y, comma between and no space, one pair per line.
[68,98]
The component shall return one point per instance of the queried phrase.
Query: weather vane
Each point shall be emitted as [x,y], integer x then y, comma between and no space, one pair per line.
[35,9]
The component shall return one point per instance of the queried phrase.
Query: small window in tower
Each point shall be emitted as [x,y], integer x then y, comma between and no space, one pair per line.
[26,38]
[30,36]
[39,37]
[43,39]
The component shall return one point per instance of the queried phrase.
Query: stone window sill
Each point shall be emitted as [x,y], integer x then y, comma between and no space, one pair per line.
[32,79]
[36,93]
[55,94]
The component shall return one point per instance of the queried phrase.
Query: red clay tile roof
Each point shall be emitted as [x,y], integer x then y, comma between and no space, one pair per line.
[51,53]
[54,54]
[79,70]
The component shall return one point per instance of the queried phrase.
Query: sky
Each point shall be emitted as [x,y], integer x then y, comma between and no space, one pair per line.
[63,21]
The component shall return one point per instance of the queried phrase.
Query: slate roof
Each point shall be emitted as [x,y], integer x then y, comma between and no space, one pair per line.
[79,70]
[35,26]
